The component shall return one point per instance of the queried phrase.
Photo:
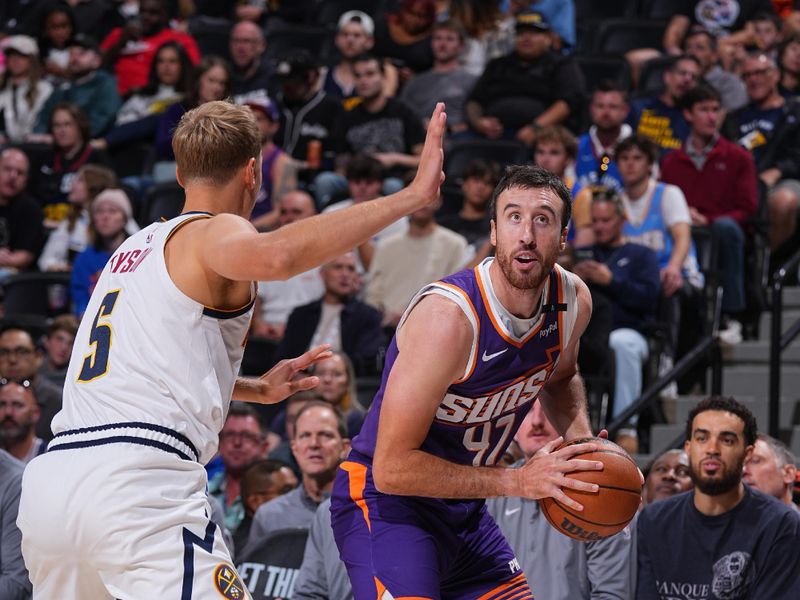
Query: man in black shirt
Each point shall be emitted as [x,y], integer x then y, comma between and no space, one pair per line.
[250,72]
[20,215]
[723,539]
[528,89]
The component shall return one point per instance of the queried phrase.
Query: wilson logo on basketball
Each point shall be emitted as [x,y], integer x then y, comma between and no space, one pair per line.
[576,530]
[462,409]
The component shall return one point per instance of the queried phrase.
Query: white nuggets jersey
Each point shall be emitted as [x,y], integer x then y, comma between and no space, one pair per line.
[150,365]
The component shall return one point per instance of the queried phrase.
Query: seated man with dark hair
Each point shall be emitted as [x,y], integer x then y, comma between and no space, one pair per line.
[264,480]
[723,539]
[58,349]
[472,221]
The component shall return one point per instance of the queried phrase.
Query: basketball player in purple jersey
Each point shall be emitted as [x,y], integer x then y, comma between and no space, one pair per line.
[471,353]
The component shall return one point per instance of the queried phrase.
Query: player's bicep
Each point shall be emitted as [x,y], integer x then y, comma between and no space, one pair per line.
[435,342]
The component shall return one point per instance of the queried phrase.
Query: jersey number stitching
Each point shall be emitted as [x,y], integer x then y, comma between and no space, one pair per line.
[482,445]
[95,364]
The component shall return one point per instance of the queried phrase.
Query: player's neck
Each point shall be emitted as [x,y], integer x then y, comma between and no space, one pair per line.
[520,303]
[713,506]
[215,200]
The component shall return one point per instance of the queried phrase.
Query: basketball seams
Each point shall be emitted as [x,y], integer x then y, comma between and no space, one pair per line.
[585,520]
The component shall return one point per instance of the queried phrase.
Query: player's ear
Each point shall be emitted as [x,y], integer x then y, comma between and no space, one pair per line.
[563,243]
[250,173]
[493,232]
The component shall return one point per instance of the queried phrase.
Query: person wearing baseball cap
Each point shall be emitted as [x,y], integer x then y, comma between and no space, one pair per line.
[22,90]
[278,174]
[354,36]
[528,89]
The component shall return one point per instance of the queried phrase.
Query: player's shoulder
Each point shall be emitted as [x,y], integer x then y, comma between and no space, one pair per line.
[663,512]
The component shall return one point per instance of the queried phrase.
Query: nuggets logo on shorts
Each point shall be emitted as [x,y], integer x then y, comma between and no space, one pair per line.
[228,583]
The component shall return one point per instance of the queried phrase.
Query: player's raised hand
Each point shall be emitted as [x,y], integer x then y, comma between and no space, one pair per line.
[430,176]
[279,382]
[545,474]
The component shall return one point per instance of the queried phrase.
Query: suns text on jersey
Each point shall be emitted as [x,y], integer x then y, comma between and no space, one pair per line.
[462,409]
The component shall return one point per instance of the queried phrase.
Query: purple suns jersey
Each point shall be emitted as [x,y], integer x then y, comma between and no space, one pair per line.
[481,412]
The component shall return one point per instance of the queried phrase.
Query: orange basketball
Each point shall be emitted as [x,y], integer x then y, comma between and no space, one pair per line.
[606,511]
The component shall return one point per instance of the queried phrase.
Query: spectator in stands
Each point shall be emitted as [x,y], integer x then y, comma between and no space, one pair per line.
[446,82]
[320,443]
[364,176]
[771,468]
[404,262]
[19,413]
[251,72]
[307,113]
[338,319]
[765,33]
[718,179]
[283,425]
[559,13]
[23,92]
[628,274]
[595,163]
[57,349]
[338,387]
[724,536]
[89,87]
[789,62]
[382,126]
[354,37]
[322,573]
[262,481]
[130,49]
[20,215]
[585,570]
[278,173]
[489,33]
[94,17]
[279,298]
[405,36]
[110,213]
[472,221]
[167,83]
[210,81]
[554,149]
[528,89]
[70,131]
[242,442]
[14,582]
[660,118]
[668,476]
[702,44]
[71,236]
[56,28]
[19,361]
[769,127]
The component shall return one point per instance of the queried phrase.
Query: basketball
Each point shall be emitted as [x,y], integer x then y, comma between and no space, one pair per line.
[606,511]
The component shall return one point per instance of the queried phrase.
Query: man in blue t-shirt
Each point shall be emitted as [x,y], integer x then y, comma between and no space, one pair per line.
[723,540]
[660,118]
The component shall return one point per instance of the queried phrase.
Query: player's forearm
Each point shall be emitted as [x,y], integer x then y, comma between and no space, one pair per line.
[317,240]
[417,473]
[564,403]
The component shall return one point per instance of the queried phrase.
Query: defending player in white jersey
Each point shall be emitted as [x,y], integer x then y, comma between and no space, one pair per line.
[117,507]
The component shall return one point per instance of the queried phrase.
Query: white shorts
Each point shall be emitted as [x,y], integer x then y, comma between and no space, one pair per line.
[121,520]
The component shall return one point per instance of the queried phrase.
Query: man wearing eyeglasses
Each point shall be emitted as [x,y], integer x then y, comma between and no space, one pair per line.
[242,442]
[18,416]
[769,128]
[19,362]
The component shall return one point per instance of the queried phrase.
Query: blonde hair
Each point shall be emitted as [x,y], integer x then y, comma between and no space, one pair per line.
[215,140]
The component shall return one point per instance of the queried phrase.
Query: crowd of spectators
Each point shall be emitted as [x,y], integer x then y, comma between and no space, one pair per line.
[91,90]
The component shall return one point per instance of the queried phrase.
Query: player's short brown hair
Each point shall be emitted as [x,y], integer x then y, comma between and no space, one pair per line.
[215,140]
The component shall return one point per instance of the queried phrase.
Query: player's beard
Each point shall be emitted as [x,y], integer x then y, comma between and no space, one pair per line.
[530,280]
[730,478]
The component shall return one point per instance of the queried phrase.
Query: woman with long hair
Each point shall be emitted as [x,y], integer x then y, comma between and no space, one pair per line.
[405,36]
[789,64]
[23,92]
[337,385]
[56,29]
[110,213]
[71,236]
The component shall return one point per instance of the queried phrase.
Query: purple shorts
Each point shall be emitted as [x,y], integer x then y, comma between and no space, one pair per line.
[419,547]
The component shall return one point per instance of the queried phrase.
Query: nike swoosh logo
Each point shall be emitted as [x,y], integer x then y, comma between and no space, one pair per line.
[488,357]
[511,511]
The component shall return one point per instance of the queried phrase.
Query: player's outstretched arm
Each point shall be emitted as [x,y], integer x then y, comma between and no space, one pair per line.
[238,253]
[279,382]
[434,345]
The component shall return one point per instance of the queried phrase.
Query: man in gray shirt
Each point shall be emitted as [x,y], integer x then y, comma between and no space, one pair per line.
[14,582]
[320,443]
[446,82]
[601,570]
[702,44]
